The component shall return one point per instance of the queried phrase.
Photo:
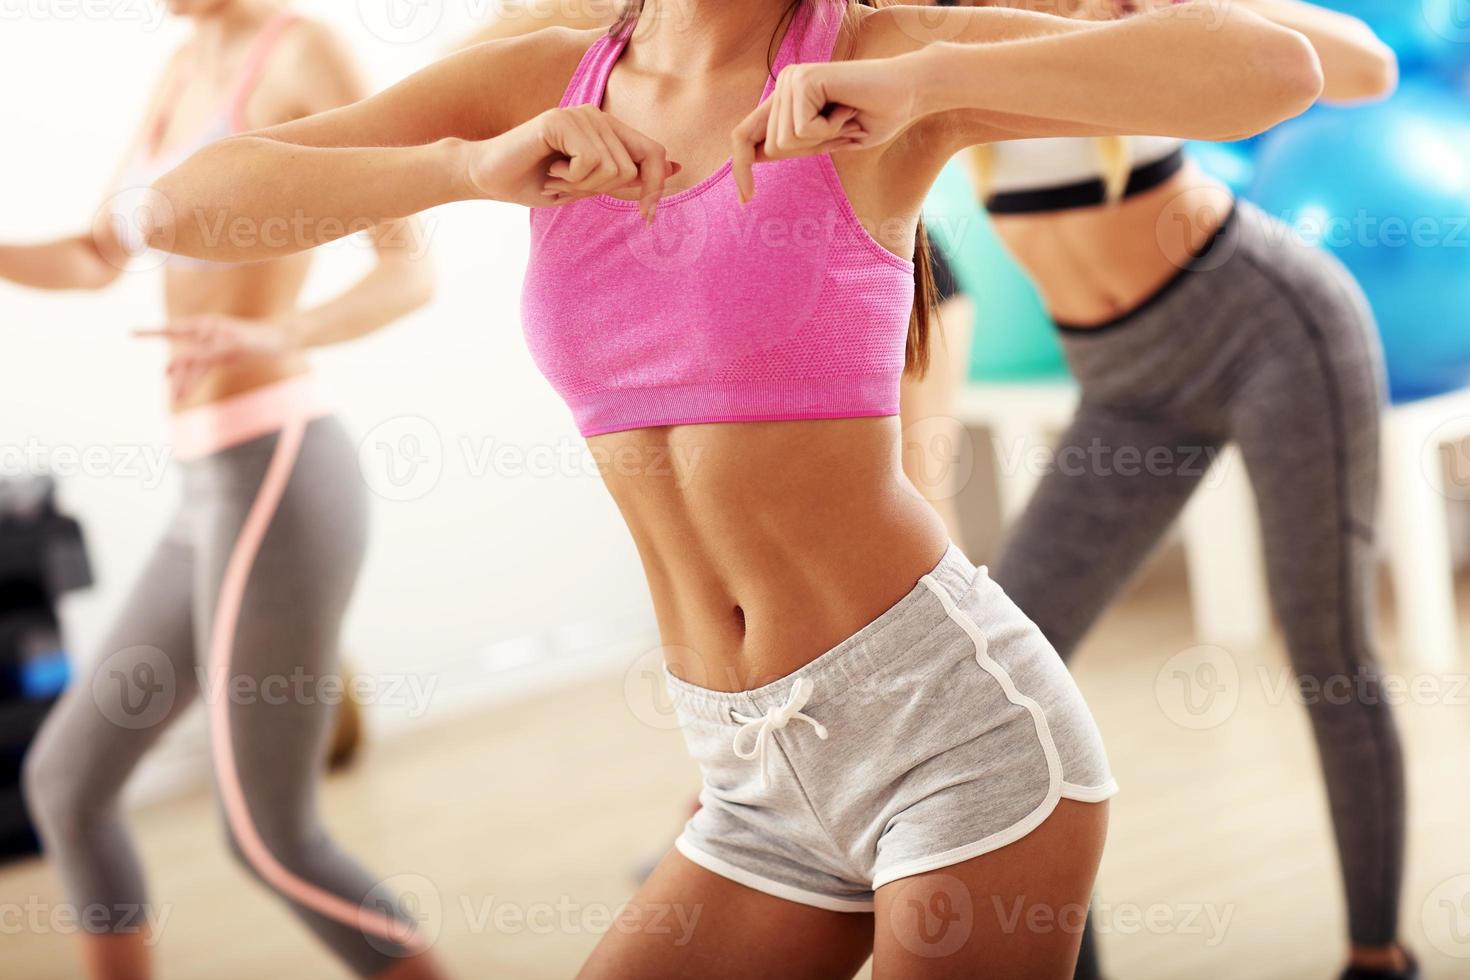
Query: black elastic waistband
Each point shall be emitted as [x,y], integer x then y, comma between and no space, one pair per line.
[1087,193]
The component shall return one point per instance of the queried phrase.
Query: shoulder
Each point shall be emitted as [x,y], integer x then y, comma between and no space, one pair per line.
[885,32]
[528,73]
[549,47]
[517,17]
[308,68]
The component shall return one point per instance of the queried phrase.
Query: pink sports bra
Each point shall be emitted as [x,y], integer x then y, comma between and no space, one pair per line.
[133,194]
[784,309]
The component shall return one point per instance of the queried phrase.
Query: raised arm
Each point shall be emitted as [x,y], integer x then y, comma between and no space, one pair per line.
[1204,69]
[1356,65]
[482,125]
[956,76]
[324,75]
[86,260]
[78,262]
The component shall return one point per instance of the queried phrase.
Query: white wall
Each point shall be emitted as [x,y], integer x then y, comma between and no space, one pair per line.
[479,570]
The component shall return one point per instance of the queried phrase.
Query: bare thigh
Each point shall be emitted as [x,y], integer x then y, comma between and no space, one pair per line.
[1013,914]
[687,922]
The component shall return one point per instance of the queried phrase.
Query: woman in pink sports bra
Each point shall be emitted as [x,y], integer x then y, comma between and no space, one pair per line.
[246,591]
[724,204]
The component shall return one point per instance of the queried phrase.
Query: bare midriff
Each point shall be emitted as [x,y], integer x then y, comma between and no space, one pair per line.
[253,292]
[1092,265]
[768,543]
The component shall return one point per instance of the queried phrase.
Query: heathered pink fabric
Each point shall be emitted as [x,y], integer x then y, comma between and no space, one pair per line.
[784,309]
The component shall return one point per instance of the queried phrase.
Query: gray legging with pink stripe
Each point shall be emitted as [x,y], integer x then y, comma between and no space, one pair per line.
[281,703]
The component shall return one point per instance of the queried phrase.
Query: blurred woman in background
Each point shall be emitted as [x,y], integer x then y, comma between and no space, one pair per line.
[1190,320]
[248,587]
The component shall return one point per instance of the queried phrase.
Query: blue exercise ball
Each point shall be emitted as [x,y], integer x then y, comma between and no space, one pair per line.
[1387,189]
[1424,33]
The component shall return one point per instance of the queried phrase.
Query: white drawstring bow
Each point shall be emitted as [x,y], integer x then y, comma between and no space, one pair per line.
[764,726]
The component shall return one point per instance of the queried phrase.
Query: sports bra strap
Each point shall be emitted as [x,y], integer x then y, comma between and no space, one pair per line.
[590,79]
[255,61]
[812,35]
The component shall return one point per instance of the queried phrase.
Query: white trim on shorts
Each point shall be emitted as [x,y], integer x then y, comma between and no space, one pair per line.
[754,881]
[1057,788]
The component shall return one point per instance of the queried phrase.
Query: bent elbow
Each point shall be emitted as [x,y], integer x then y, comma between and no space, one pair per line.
[1374,78]
[1298,77]
[162,225]
[1289,80]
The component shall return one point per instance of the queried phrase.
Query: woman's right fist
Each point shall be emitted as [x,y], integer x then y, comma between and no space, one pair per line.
[566,155]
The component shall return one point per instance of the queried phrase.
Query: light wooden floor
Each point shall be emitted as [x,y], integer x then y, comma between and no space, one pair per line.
[550,803]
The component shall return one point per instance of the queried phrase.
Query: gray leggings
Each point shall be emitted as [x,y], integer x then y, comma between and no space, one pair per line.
[281,714]
[1267,343]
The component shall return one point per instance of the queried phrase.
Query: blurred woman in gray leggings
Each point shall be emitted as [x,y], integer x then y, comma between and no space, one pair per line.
[244,595]
[1189,321]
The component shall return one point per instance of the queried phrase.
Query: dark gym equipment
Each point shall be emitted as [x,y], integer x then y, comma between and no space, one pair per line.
[42,556]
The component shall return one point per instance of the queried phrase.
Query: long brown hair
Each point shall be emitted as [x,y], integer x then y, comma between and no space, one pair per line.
[925,311]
